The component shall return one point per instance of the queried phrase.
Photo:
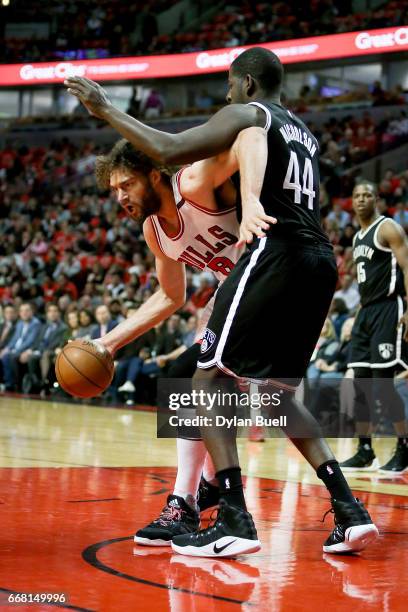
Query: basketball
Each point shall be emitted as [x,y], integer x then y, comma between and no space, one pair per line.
[84,368]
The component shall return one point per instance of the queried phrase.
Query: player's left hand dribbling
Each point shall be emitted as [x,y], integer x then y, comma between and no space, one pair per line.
[91,94]
[105,346]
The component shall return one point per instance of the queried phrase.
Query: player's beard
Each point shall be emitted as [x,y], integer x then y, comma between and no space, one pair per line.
[150,204]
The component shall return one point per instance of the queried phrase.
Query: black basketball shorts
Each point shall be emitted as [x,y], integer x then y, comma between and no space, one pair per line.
[376,339]
[269,312]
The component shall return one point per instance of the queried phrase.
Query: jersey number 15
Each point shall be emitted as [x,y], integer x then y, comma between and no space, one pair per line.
[292,180]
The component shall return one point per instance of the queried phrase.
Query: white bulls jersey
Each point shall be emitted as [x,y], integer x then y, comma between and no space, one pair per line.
[206,240]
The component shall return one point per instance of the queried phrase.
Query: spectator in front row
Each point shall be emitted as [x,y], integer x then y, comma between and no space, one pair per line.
[338,313]
[39,356]
[190,331]
[331,367]
[73,328]
[71,332]
[168,346]
[25,334]
[326,347]
[8,325]
[334,365]
[130,360]
[86,323]
[104,322]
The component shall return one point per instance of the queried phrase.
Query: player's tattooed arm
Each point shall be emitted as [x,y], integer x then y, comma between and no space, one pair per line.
[251,149]
[211,138]
[170,296]
[392,235]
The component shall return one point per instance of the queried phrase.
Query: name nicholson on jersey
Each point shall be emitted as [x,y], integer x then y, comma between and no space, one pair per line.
[363,251]
[291,132]
[207,258]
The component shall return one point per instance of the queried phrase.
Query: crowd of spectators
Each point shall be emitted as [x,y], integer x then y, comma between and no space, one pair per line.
[78,29]
[350,141]
[72,255]
[106,28]
[347,142]
[365,95]
[253,22]
[73,265]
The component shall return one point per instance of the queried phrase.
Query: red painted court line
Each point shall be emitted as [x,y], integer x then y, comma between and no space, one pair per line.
[49,544]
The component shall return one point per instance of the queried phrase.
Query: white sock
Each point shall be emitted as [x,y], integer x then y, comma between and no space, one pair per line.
[209,471]
[190,459]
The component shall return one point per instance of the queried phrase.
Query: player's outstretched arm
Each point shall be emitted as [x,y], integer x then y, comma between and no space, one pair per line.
[251,148]
[393,236]
[214,136]
[199,180]
[170,297]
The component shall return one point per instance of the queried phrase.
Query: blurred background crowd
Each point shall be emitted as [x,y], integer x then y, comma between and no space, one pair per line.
[73,265]
[109,28]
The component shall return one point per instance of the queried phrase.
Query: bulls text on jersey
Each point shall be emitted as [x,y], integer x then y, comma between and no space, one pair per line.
[201,260]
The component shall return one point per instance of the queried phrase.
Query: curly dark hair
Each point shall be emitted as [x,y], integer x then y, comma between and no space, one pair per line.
[124,155]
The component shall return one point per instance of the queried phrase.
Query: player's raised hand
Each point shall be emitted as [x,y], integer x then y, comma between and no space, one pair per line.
[91,94]
[254,222]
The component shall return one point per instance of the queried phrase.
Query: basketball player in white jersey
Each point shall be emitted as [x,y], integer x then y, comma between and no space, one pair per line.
[188,218]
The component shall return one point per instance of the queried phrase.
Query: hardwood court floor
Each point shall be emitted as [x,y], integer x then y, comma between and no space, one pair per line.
[77,481]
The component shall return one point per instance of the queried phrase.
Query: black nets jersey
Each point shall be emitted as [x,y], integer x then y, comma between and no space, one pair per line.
[378,275]
[290,189]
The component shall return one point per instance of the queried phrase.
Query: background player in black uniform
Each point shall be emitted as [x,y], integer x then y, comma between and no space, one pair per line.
[297,261]
[378,347]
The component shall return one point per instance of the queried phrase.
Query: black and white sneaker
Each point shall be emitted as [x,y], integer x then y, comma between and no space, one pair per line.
[354,528]
[398,463]
[233,533]
[208,495]
[363,461]
[176,518]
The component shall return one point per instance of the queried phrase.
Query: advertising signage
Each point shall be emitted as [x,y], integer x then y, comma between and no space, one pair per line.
[335,46]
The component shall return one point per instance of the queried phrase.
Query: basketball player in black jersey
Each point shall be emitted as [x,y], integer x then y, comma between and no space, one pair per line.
[378,346]
[259,339]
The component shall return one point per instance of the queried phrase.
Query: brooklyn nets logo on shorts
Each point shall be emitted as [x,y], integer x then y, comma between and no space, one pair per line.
[208,340]
[386,350]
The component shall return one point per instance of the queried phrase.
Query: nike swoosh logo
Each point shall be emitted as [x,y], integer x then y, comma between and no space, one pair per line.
[218,550]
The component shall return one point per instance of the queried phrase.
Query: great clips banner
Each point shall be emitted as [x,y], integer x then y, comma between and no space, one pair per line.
[335,46]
